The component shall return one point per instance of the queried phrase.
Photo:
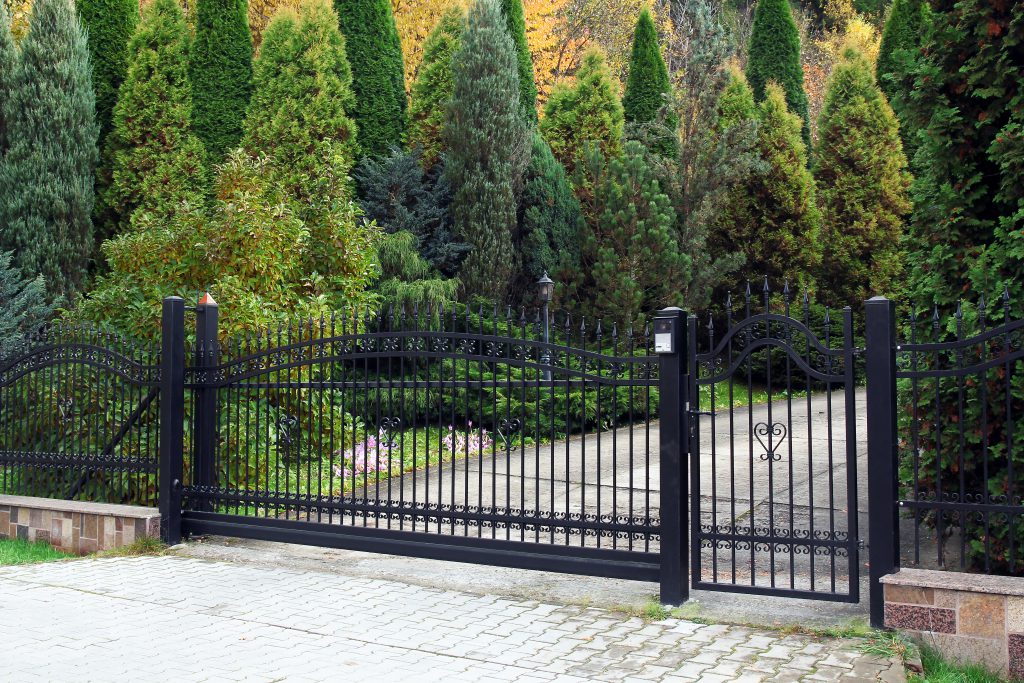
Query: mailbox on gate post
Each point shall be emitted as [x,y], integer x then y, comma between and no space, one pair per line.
[669,328]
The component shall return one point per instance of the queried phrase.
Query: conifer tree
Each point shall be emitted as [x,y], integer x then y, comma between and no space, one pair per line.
[589,111]
[299,121]
[648,83]
[157,164]
[8,63]
[771,218]
[432,89]
[631,259]
[46,180]
[488,149]
[221,73]
[516,24]
[775,56]
[550,221]
[375,53]
[897,53]
[23,302]
[863,187]
[109,25]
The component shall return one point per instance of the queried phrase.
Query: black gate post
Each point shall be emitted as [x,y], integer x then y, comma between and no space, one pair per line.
[883,515]
[670,345]
[207,358]
[172,417]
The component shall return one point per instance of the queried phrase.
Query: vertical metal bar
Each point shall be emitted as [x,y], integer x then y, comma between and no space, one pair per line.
[852,507]
[883,517]
[672,430]
[172,416]
[692,440]
[205,478]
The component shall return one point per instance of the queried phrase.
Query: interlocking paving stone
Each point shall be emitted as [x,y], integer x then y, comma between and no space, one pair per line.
[179,619]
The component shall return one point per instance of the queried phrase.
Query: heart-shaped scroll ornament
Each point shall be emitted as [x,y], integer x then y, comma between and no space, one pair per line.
[775,433]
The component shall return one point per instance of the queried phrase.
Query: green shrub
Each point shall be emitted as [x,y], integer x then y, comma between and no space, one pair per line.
[587,112]
[155,162]
[775,56]
[378,77]
[109,25]
[488,149]
[221,73]
[432,89]
[47,174]
[862,189]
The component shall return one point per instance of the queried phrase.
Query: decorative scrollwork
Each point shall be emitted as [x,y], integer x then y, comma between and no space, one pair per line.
[775,433]
[507,428]
[287,432]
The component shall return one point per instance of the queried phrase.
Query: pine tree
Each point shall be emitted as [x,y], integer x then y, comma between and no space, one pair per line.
[771,218]
[375,53]
[588,111]
[863,186]
[156,162]
[46,180]
[775,56]
[221,73]
[23,302]
[550,220]
[488,149]
[965,237]
[648,82]
[299,120]
[109,25]
[897,53]
[432,89]
[8,64]
[516,24]
[631,259]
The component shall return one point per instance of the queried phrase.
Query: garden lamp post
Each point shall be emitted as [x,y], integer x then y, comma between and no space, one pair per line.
[546,291]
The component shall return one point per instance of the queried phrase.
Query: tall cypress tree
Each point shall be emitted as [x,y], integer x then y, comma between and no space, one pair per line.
[432,89]
[589,111]
[648,81]
[46,180]
[863,187]
[775,56]
[897,53]
[516,23]
[488,149]
[110,25]
[221,73]
[375,53]
[8,62]
[157,163]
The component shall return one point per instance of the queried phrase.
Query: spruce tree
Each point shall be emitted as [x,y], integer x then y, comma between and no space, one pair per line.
[516,23]
[775,56]
[648,82]
[23,302]
[156,162]
[897,53]
[488,149]
[589,111]
[771,217]
[550,220]
[432,89]
[110,25]
[375,53]
[631,259]
[8,63]
[863,187]
[46,180]
[221,73]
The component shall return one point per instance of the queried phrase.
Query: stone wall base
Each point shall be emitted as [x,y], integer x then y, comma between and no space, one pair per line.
[969,618]
[74,526]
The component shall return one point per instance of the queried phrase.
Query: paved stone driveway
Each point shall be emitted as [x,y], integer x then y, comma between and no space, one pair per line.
[181,619]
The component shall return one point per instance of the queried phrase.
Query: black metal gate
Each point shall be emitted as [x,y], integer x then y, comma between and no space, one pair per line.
[773,451]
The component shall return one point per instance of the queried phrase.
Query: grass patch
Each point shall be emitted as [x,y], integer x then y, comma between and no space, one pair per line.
[16,551]
[142,546]
[938,670]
